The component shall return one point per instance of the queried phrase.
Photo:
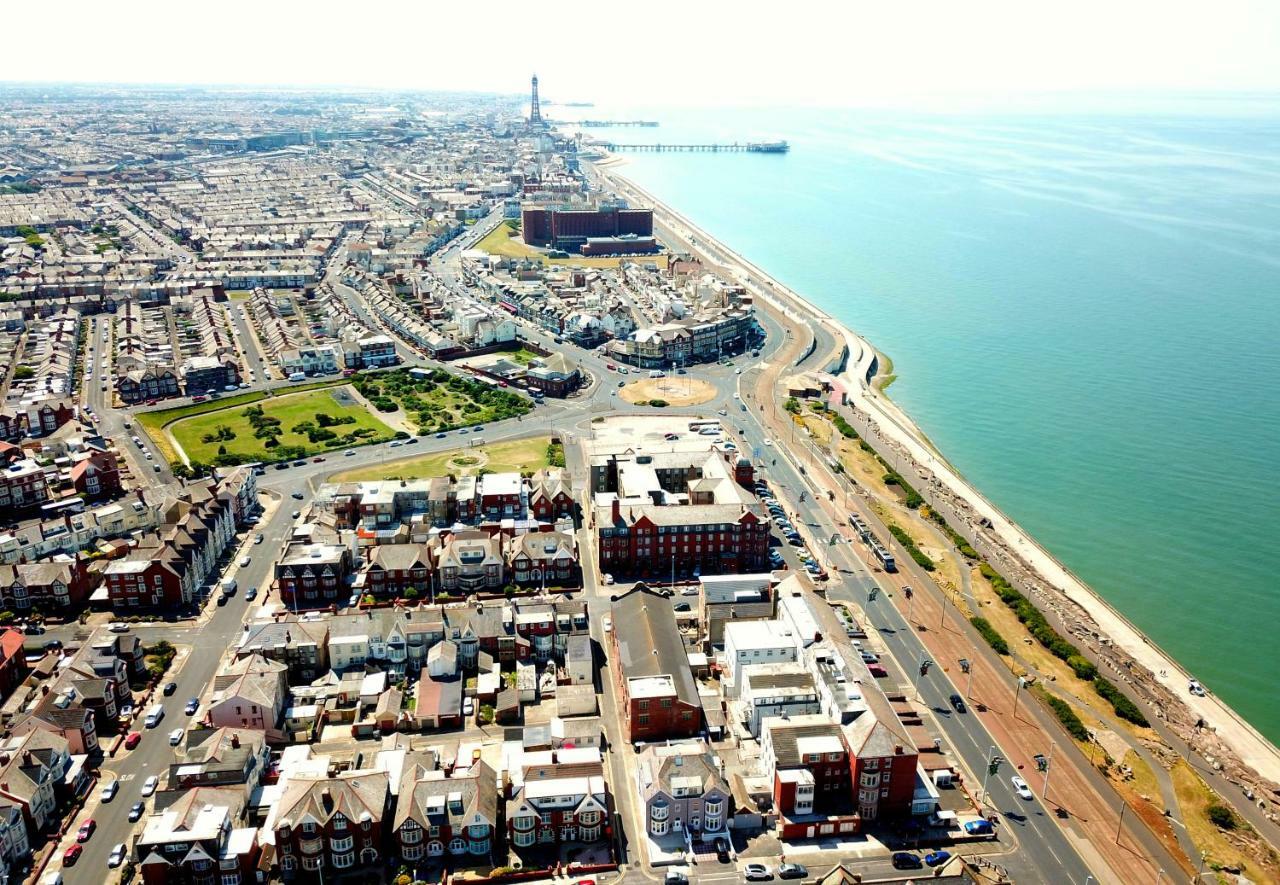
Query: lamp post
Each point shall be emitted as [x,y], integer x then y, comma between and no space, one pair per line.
[993,765]
[1017,688]
[1048,764]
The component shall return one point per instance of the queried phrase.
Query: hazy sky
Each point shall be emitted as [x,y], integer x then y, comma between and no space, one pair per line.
[688,52]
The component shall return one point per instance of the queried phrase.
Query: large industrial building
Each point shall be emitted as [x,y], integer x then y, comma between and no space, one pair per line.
[570,229]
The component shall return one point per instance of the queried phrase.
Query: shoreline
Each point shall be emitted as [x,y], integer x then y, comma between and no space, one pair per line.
[1161,681]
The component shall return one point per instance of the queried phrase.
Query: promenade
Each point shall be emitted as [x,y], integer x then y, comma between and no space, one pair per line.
[1246,758]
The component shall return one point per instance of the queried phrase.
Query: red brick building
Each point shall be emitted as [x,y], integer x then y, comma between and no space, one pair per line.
[49,584]
[714,538]
[96,475]
[395,568]
[331,822]
[570,229]
[446,820]
[659,698]
[13,665]
[313,575]
[143,583]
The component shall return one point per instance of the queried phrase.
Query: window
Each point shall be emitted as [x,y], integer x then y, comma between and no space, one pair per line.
[288,864]
[343,844]
[588,818]
[658,827]
[342,861]
[308,827]
[339,822]
[457,846]
[230,879]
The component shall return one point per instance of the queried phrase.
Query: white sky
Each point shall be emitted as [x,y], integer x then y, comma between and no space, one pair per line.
[840,52]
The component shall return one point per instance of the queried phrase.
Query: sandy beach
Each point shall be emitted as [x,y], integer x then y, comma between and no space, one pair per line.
[1222,738]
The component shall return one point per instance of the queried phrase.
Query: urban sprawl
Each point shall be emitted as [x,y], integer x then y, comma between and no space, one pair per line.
[382,495]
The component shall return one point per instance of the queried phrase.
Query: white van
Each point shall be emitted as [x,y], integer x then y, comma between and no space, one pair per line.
[154,715]
[229,585]
[657,373]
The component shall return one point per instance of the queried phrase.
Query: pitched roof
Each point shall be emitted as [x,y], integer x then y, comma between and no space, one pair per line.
[649,644]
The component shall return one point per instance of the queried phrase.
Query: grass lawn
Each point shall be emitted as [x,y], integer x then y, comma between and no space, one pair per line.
[523,356]
[291,410]
[515,455]
[1257,861]
[501,241]
[155,422]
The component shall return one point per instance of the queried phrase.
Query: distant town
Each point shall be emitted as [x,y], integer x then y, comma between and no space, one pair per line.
[387,497]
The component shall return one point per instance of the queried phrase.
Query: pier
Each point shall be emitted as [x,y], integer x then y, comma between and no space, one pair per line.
[602,124]
[749,147]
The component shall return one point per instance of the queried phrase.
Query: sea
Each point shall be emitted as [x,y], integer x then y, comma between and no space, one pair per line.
[1082,306]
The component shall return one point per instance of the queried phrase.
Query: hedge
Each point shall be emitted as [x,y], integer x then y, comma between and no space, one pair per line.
[845,428]
[965,548]
[1067,716]
[1120,702]
[910,546]
[994,639]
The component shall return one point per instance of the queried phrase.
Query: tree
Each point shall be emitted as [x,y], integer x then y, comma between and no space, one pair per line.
[1221,816]
[22,373]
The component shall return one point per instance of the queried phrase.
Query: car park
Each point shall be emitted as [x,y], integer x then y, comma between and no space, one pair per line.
[1020,787]
[905,860]
[936,858]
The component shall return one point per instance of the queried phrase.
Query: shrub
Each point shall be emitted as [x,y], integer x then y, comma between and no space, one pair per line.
[994,639]
[1221,817]
[845,428]
[659,403]
[910,546]
[411,593]
[555,454]
[1067,716]
[1120,702]
[1082,667]
[792,405]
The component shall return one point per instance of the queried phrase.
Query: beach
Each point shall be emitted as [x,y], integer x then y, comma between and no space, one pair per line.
[1225,742]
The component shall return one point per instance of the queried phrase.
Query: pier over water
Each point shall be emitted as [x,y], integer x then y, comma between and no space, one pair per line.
[750,147]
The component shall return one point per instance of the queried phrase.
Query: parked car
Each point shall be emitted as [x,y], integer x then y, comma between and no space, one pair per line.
[792,871]
[170,688]
[676,877]
[722,850]
[297,495]
[175,738]
[136,810]
[192,705]
[71,855]
[757,872]
[109,790]
[150,784]
[244,561]
[251,594]
[117,855]
[258,538]
[468,706]
[86,830]
[937,858]
[1020,787]
[905,860]
[979,828]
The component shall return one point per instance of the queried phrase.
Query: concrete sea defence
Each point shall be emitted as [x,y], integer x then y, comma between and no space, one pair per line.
[1225,741]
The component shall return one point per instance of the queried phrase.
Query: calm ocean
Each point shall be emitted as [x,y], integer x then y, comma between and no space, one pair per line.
[1084,313]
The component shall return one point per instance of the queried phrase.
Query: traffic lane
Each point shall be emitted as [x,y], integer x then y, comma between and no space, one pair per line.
[910,650]
[1039,835]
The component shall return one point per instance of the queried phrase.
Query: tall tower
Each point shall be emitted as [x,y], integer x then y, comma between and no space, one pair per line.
[535,112]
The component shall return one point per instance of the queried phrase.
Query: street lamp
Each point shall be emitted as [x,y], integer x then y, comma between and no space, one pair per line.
[993,766]
[1022,682]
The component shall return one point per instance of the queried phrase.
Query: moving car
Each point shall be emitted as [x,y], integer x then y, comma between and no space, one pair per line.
[175,738]
[132,740]
[957,702]
[905,860]
[349,452]
[937,858]
[297,495]
[757,872]
[1020,787]
[150,784]
[252,594]
[109,790]
[136,810]
[192,705]
[244,561]
[257,539]
[71,855]
[170,688]
[86,830]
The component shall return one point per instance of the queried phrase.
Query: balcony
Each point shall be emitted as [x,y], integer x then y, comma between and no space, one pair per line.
[312,846]
[660,812]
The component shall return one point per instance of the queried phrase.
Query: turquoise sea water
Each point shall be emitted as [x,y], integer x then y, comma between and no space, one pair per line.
[1084,313]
